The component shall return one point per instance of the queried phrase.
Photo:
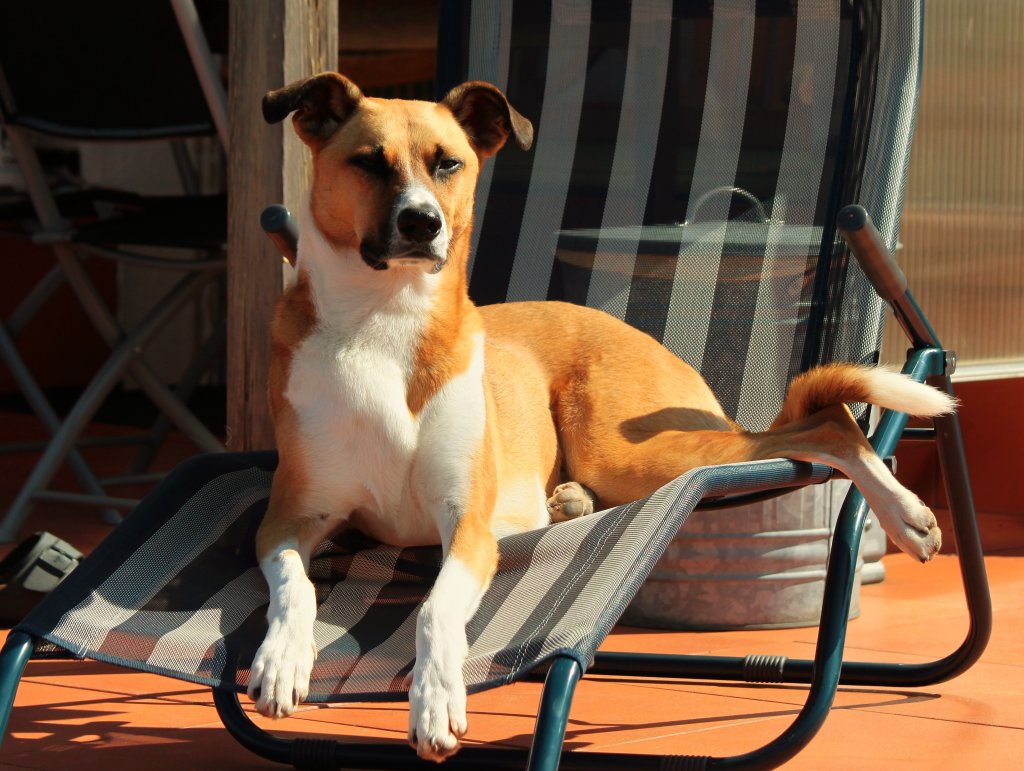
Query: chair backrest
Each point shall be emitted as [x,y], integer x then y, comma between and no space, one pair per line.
[98,69]
[690,158]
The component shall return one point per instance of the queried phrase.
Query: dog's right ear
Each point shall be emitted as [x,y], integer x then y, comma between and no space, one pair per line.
[321,103]
[488,119]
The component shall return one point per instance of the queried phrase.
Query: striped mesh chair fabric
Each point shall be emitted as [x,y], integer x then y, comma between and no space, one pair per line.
[176,589]
[647,116]
[689,162]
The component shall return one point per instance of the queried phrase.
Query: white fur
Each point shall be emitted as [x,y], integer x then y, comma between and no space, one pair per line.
[903,516]
[348,386]
[405,478]
[451,429]
[279,677]
[419,195]
[898,392]
[437,697]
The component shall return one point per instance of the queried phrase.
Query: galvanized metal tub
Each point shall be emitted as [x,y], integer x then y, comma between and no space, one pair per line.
[760,566]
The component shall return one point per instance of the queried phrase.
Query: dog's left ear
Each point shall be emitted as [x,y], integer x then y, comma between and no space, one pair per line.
[487,117]
[321,104]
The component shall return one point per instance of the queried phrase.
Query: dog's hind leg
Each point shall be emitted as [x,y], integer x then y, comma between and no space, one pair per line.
[571,500]
[628,470]
[437,695]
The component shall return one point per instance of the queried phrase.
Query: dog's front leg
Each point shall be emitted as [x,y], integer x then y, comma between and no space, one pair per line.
[281,668]
[437,697]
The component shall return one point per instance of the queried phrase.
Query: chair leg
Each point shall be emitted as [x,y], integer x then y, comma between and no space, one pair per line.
[13,658]
[36,297]
[89,402]
[546,750]
[331,754]
[953,462]
[108,328]
[828,656]
[41,407]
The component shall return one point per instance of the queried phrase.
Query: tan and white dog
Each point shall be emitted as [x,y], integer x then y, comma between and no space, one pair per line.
[405,411]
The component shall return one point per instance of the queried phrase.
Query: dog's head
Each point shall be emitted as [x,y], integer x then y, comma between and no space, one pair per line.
[394,179]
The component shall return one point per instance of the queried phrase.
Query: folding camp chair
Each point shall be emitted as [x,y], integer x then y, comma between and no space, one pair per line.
[644,114]
[113,71]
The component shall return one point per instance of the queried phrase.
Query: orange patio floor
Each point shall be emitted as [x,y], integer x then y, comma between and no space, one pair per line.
[84,715]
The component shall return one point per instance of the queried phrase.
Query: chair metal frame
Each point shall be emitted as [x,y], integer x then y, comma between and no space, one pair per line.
[66,435]
[824,673]
[927,360]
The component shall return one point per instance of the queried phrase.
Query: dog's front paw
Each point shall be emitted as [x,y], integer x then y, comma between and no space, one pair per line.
[569,501]
[437,711]
[912,527]
[279,676]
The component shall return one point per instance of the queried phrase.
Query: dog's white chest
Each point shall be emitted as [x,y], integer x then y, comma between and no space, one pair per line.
[367,453]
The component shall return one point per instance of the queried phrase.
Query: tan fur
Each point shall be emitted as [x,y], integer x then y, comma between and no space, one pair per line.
[568,393]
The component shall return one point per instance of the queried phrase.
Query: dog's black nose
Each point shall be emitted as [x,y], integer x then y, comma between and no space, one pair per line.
[419,224]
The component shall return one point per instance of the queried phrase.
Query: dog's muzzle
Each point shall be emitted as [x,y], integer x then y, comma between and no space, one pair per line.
[419,234]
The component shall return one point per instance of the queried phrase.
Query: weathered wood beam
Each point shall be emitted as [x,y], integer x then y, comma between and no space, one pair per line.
[272,42]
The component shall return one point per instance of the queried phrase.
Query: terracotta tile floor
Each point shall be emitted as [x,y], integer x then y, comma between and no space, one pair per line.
[85,715]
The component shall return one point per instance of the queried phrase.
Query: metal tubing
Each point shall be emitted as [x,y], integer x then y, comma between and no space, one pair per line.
[202,62]
[282,229]
[34,300]
[828,656]
[90,401]
[248,735]
[85,499]
[880,267]
[156,389]
[953,462]
[333,754]
[89,297]
[556,699]
[13,658]
[869,249]
[41,407]
[183,162]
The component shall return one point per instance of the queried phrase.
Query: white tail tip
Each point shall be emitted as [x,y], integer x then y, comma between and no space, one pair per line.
[896,391]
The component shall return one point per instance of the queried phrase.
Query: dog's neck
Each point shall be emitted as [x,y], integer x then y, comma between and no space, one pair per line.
[348,294]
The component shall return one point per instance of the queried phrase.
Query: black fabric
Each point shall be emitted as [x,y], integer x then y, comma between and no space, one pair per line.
[500,225]
[195,222]
[57,58]
[734,281]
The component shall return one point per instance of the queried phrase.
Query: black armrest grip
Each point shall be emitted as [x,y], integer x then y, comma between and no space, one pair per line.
[867,246]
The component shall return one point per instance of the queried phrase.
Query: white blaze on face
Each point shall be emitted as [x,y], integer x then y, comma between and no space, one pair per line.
[418,196]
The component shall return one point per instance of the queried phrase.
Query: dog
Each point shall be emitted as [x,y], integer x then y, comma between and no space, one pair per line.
[403,410]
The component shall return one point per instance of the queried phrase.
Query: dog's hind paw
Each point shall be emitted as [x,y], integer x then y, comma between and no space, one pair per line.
[912,527]
[569,501]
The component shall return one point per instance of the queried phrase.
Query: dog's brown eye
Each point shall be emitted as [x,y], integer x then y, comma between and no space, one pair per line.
[372,162]
[448,166]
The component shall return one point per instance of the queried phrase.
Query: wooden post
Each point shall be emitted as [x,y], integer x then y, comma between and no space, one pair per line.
[272,43]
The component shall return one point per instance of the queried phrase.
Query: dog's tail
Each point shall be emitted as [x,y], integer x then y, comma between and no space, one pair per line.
[846,383]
